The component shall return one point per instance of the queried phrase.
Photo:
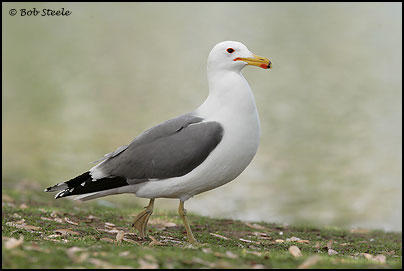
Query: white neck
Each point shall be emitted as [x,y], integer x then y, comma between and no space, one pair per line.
[229,93]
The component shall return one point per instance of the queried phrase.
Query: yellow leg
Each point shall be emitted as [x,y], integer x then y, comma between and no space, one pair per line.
[140,221]
[183,214]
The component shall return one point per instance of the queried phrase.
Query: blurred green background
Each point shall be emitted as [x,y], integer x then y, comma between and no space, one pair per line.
[76,87]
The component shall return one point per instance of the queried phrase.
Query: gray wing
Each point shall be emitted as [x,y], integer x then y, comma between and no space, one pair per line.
[170,149]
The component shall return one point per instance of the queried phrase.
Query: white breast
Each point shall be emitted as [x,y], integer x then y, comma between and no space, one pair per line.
[233,106]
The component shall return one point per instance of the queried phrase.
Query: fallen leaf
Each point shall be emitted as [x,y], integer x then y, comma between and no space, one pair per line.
[169,239]
[109,231]
[6,198]
[329,244]
[130,240]
[309,262]
[259,254]
[54,240]
[46,219]
[231,255]
[219,236]
[23,206]
[57,219]
[71,252]
[99,263]
[304,241]
[261,235]
[228,254]
[99,253]
[71,222]
[53,235]
[255,226]
[107,224]
[166,237]
[25,227]
[292,239]
[295,251]
[9,204]
[65,232]
[119,236]
[218,254]
[88,219]
[54,214]
[332,252]
[278,241]
[147,265]
[22,221]
[240,245]
[257,266]
[203,262]
[254,247]
[359,231]
[380,258]
[207,250]
[15,215]
[109,240]
[12,243]
[150,258]
[367,256]
[124,253]
[35,247]
[155,242]
[82,257]
[249,241]
[161,224]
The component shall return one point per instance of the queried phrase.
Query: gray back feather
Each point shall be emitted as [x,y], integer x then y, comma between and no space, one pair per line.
[170,149]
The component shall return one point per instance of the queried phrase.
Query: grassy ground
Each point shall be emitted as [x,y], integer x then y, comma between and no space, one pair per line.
[39,232]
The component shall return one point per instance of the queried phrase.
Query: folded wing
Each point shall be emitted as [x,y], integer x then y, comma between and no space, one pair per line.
[170,149]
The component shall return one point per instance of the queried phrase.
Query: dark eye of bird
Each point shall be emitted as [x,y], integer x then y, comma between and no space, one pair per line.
[230,50]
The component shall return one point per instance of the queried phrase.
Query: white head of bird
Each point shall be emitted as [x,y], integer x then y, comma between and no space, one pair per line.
[234,56]
[225,62]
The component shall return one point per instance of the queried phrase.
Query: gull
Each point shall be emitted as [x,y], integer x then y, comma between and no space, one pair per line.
[187,155]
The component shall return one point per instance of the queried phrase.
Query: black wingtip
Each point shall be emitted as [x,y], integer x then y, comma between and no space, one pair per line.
[64,193]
